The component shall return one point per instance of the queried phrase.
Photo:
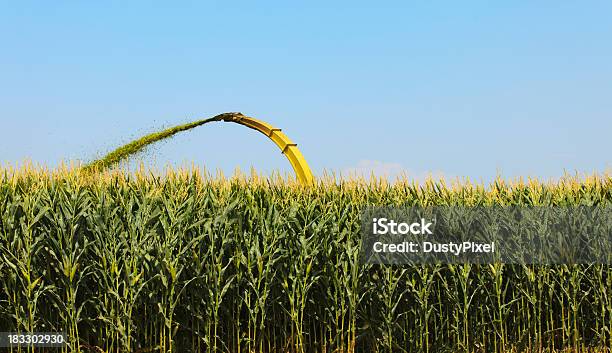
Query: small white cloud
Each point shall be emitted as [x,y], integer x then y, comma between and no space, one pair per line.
[365,168]
[388,170]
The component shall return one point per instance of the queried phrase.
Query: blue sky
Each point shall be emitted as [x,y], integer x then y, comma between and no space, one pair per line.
[471,88]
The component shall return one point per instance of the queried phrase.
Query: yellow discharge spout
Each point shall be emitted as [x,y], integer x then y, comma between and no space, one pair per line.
[287,147]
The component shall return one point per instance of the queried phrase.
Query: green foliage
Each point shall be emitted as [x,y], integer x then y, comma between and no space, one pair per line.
[185,263]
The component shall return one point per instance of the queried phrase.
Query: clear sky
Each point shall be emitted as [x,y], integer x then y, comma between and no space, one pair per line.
[458,88]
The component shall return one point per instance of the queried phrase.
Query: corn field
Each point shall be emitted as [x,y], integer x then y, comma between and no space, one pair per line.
[186,262]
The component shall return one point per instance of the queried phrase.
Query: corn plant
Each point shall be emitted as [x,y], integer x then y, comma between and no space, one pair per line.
[187,262]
